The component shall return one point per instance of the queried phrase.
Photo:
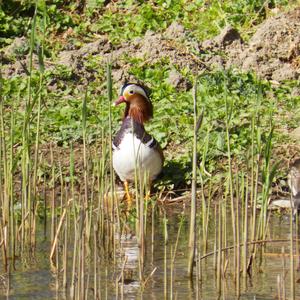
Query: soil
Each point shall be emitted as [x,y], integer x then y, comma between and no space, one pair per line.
[273,52]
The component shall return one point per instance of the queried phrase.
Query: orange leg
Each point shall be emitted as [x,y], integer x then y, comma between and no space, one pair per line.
[148,190]
[127,194]
[147,196]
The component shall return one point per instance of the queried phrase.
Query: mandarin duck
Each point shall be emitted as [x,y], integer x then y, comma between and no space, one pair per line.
[133,148]
[294,184]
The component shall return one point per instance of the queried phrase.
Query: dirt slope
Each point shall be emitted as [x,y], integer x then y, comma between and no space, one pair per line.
[272,52]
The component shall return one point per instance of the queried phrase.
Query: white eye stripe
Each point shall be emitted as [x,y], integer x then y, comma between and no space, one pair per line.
[137,89]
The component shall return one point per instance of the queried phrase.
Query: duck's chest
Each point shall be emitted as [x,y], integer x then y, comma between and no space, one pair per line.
[131,145]
[132,153]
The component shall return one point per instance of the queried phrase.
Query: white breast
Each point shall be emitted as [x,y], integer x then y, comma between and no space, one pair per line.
[131,154]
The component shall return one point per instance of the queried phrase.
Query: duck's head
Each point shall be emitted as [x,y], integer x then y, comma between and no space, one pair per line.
[138,104]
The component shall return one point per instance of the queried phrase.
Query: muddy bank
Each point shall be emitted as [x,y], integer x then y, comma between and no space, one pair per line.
[272,52]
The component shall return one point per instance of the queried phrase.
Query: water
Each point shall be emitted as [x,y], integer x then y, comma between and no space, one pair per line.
[35,279]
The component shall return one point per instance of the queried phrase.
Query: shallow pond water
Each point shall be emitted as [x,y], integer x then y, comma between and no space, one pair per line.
[33,277]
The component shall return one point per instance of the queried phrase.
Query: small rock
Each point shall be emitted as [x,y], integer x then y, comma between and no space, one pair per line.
[217,62]
[295,133]
[175,31]
[176,80]
[70,58]
[90,48]
[295,92]
[149,34]
[208,44]
[67,58]
[118,75]
[17,48]
[53,87]
[102,45]
[136,42]
[282,203]
[250,62]
[285,72]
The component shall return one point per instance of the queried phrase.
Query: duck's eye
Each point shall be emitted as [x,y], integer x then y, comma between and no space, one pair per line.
[131,92]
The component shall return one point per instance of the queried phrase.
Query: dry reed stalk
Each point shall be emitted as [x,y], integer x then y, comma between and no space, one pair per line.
[292,269]
[55,240]
[279,287]
[165,257]
[283,274]
[95,257]
[141,226]
[219,251]
[149,277]
[230,179]
[238,247]
[152,233]
[245,233]
[215,251]
[171,274]
[3,243]
[75,254]
[193,229]
[65,255]
[53,205]
[85,170]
